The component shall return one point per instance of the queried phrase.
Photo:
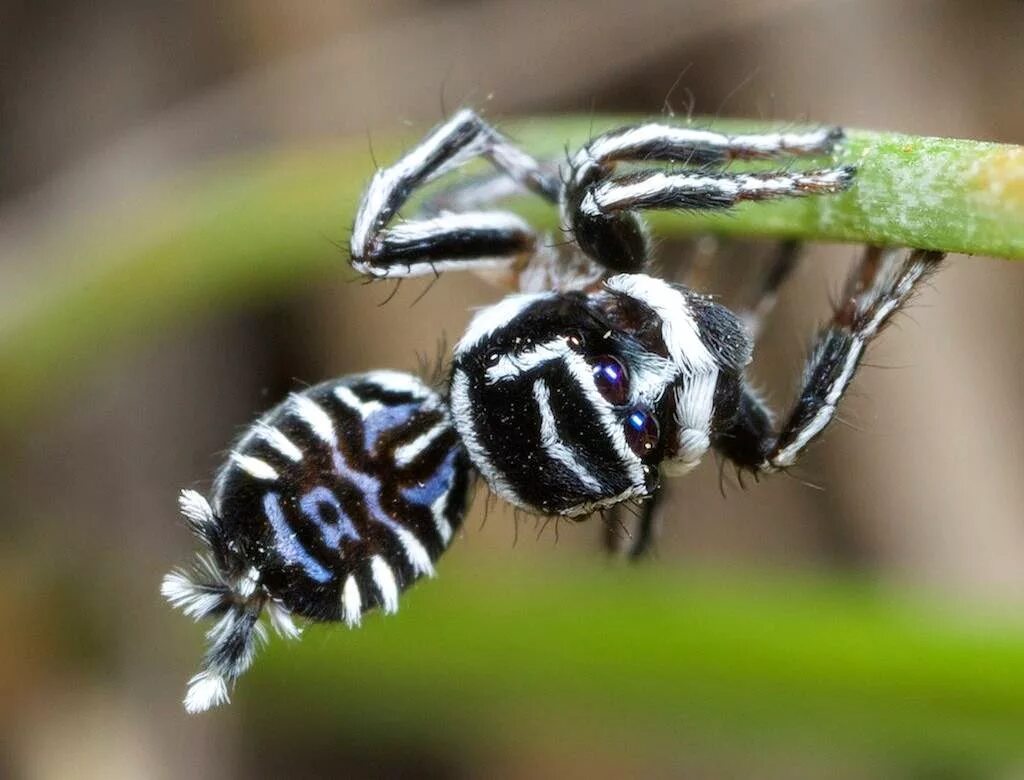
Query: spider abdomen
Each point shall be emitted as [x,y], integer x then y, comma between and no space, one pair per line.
[343,495]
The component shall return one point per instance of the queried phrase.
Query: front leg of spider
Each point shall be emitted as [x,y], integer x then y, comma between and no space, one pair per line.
[880,285]
[636,540]
[465,240]
[598,208]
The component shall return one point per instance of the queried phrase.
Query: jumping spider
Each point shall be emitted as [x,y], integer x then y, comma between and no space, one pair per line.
[573,395]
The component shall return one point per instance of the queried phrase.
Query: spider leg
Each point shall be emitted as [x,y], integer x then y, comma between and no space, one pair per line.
[883,282]
[424,246]
[547,267]
[657,189]
[596,205]
[694,146]
[634,537]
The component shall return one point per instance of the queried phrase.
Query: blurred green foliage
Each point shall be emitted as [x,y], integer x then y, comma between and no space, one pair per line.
[648,655]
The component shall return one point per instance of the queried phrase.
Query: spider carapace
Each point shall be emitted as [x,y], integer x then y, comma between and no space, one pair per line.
[574,394]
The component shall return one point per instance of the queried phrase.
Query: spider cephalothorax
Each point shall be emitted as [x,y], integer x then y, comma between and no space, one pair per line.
[574,395]
[569,402]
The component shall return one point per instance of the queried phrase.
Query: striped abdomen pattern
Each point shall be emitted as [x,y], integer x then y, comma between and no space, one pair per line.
[343,495]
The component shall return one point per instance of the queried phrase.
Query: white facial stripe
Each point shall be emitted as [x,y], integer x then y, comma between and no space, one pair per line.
[509,366]
[254,467]
[278,441]
[678,326]
[553,445]
[351,602]
[489,319]
[584,376]
[462,415]
[695,404]
[649,375]
[384,579]
[314,416]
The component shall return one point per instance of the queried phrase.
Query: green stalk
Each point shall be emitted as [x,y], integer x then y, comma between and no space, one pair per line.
[259,227]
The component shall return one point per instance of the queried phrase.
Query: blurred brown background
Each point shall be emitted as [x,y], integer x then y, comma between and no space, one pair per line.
[99,101]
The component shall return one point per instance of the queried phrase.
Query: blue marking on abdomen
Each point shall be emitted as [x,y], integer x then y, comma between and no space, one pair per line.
[332,533]
[287,544]
[384,420]
[439,483]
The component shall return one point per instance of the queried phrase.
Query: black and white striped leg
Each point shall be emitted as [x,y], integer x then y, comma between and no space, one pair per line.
[595,207]
[882,283]
[657,189]
[694,146]
[425,246]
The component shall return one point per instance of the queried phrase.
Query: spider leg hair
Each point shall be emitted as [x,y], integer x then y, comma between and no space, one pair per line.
[881,284]
[656,142]
[636,540]
[445,240]
[597,205]
[657,189]
[208,590]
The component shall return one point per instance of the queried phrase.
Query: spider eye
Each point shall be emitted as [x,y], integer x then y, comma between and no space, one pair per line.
[641,432]
[611,380]
[574,340]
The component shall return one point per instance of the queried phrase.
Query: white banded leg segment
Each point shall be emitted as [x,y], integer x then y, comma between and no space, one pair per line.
[419,247]
[450,241]
[883,282]
[696,146]
[657,189]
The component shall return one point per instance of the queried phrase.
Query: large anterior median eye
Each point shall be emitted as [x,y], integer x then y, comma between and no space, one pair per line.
[611,380]
[641,432]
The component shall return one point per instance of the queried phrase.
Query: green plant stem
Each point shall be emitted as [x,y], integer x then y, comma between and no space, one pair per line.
[257,227]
